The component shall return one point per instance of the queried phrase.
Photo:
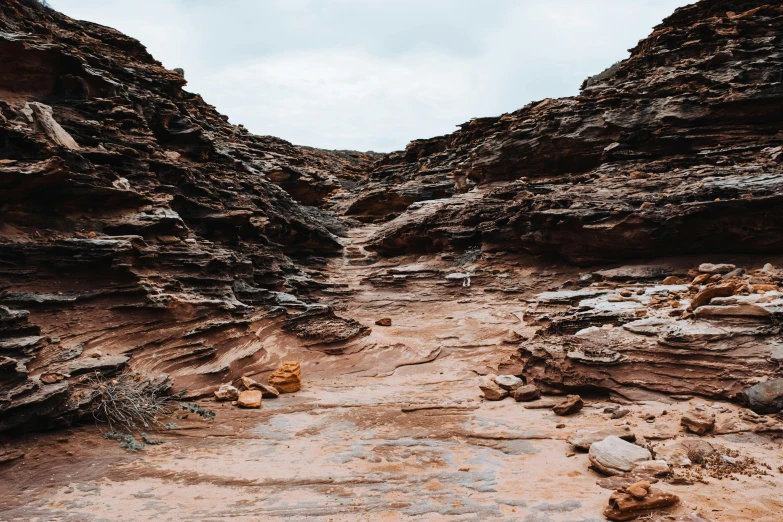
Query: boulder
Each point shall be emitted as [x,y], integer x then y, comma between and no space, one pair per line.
[526,393]
[226,392]
[492,390]
[571,404]
[619,413]
[509,382]
[585,438]
[385,321]
[710,268]
[764,397]
[698,422]
[614,456]
[287,378]
[249,399]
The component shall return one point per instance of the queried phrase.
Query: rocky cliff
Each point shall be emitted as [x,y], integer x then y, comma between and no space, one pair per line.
[139,228]
[135,221]
[677,152]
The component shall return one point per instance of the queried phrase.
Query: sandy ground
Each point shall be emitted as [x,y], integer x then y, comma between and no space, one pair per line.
[390,427]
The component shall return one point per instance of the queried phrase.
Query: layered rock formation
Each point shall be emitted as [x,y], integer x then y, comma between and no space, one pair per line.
[134,219]
[139,228]
[677,152]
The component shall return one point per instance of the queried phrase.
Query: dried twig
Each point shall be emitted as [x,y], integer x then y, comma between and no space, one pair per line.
[130,401]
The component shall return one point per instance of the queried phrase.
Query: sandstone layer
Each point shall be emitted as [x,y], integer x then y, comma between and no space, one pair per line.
[608,260]
[136,222]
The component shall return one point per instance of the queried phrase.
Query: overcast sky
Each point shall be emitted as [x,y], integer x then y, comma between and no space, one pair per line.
[375,74]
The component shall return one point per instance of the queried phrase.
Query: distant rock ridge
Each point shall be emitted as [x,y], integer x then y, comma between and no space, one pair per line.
[679,151]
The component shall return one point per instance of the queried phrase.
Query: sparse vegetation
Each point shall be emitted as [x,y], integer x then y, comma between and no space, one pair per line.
[127,442]
[130,401]
[470,255]
[603,75]
[192,407]
[133,402]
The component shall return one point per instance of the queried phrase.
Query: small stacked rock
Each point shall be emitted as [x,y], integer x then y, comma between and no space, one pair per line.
[491,389]
[636,500]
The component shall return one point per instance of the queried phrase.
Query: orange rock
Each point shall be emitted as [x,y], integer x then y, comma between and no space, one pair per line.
[287,378]
[623,506]
[699,279]
[673,280]
[706,295]
[639,489]
[386,321]
[249,399]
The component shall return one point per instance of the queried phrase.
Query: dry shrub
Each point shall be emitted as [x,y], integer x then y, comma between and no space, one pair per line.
[130,401]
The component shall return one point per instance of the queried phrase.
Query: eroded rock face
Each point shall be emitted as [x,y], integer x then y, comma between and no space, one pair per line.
[677,152]
[639,338]
[136,220]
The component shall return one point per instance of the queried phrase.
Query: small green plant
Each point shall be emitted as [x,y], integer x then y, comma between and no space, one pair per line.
[192,407]
[127,442]
[149,440]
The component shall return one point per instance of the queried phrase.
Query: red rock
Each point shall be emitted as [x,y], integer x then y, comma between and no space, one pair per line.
[698,422]
[249,399]
[571,405]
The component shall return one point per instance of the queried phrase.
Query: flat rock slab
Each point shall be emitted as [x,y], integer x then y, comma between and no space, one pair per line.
[509,382]
[632,272]
[623,506]
[585,438]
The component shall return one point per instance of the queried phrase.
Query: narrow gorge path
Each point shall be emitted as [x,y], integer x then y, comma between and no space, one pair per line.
[390,426]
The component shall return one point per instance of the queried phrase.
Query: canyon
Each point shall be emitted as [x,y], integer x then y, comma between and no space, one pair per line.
[621,245]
